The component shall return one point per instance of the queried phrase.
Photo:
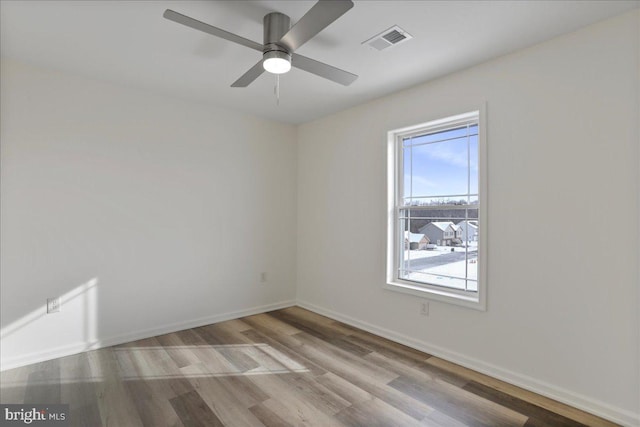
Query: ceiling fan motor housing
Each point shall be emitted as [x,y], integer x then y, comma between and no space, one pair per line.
[275,26]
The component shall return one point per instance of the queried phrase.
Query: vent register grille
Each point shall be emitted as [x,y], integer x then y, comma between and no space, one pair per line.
[394,37]
[388,38]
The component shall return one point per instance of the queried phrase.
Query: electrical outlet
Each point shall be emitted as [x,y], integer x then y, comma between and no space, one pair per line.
[53,305]
[424,309]
[263,277]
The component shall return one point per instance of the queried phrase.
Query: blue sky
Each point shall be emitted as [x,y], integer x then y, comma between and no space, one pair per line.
[440,168]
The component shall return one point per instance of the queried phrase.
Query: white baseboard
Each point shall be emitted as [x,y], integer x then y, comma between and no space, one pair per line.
[603,410]
[67,350]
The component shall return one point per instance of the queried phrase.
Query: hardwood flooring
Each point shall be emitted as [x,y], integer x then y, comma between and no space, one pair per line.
[289,367]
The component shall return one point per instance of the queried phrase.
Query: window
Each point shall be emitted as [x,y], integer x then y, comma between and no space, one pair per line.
[436,210]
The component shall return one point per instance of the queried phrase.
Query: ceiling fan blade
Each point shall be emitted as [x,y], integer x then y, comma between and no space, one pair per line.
[210,29]
[315,20]
[323,70]
[248,77]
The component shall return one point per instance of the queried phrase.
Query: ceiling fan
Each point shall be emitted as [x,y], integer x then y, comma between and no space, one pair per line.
[281,40]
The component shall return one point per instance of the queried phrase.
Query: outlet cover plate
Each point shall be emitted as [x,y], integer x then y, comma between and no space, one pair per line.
[53,305]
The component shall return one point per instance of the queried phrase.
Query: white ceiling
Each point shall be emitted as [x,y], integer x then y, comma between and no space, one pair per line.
[128,42]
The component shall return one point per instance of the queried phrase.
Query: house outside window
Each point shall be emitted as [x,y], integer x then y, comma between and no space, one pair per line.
[437,190]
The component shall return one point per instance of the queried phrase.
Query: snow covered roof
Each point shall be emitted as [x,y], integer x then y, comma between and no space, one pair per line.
[442,225]
[413,237]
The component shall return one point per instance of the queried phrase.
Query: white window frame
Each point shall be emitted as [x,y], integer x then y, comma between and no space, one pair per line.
[476,300]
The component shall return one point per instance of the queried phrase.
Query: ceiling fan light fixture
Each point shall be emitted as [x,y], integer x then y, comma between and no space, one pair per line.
[281,40]
[276,62]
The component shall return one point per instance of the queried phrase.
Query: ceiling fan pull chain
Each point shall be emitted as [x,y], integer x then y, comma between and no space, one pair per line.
[277,89]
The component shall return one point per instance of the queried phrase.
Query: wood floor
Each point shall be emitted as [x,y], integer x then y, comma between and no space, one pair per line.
[289,367]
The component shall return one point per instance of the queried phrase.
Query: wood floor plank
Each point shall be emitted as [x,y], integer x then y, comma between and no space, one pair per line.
[282,345]
[158,380]
[246,393]
[225,333]
[439,419]
[193,411]
[537,416]
[178,350]
[152,409]
[267,321]
[422,372]
[320,396]
[235,325]
[227,407]
[238,358]
[354,362]
[327,331]
[298,412]
[315,318]
[43,383]
[115,404]
[271,360]
[190,338]
[375,413]
[268,417]
[388,348]
[344,388]
[289,367]
[364,378]
[209,335]
[78,391]
[305,314]
[150,390]
[526,395]
[153,364]
[347,344]
[459,404]
[207,353]
[13,384]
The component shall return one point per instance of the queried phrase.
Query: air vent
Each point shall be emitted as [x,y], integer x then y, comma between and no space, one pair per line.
[388,38]
[394,37]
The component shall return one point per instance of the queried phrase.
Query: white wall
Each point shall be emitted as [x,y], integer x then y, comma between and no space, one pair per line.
[147,213]
[562,134]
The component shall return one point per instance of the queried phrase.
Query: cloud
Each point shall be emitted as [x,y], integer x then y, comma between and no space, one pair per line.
[445,153]
[453,155]
[419,181]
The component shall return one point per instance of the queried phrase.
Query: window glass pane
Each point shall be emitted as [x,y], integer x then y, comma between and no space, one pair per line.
[441,266]
[439,200]
[472,260]
[472,285]
[473,163]
[440,169]
[444,135]
[434,279]
[454,214]
[420,218]
[406,162]
[439,246]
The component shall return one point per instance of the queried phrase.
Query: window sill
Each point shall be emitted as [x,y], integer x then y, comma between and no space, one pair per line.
[440,294]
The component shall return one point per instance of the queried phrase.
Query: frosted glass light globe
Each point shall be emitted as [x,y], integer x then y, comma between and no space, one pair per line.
[276,62]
